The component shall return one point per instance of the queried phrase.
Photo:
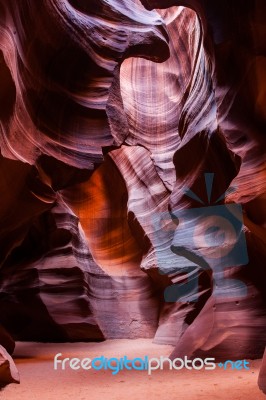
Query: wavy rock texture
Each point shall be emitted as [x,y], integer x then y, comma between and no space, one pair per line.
[62,75]
[122,130]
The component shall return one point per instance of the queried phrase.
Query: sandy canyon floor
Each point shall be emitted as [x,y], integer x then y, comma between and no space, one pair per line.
[39,380]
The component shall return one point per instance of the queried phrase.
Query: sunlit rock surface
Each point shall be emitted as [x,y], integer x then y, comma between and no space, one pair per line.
[8,370]
[133,173]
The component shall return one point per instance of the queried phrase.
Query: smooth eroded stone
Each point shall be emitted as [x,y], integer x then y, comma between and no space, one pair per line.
[8,369]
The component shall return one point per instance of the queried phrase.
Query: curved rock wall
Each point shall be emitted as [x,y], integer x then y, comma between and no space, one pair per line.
[133,173]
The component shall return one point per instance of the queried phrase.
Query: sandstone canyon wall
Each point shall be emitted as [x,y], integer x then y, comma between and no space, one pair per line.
[133,174]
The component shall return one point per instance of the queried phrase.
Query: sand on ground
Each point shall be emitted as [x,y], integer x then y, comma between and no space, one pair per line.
[39,380]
